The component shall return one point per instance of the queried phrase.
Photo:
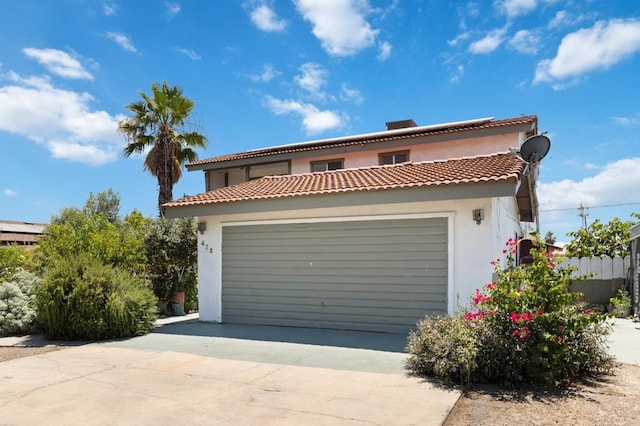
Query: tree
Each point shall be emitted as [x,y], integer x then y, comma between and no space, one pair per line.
[549,238]
[171,248]
[106,202]
[601,239]
[160,122]
[74,231]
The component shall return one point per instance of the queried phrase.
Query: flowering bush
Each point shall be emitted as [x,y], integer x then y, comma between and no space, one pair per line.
[526,327]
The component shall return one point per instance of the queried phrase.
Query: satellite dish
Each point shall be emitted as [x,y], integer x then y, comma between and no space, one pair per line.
[535,148]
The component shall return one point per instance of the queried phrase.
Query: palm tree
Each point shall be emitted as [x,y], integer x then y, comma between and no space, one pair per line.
[160,122]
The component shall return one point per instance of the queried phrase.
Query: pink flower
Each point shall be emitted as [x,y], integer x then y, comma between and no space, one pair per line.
[491,286]
[479,297]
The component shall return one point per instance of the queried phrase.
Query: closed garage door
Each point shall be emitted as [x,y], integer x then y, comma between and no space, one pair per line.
[375,275]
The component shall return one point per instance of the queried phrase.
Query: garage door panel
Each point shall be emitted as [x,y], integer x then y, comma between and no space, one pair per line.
[355,265]
[394,283]
[303,274]
[381,275]
[318,298]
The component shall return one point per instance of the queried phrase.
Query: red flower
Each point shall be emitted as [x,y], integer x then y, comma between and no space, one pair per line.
[479,297]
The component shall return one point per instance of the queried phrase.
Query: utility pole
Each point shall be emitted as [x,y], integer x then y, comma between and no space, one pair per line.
[582,212]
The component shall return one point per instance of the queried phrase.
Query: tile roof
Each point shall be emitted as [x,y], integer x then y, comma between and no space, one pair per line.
[411,132]
[486,168]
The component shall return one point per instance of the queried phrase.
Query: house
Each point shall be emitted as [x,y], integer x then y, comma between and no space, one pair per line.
[366,232]
[19,233]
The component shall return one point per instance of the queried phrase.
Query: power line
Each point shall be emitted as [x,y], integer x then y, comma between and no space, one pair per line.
[590,207]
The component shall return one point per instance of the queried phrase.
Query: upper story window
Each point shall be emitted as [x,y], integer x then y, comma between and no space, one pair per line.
[393,157]
[323,166]
[257,171]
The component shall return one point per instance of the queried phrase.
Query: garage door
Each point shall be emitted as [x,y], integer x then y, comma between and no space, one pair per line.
[374,275]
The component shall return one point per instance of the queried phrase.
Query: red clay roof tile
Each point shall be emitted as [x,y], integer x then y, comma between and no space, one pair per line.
[371,138]
[486,168]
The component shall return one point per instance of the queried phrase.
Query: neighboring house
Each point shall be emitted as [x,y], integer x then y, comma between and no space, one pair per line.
[368,232]
[19,233]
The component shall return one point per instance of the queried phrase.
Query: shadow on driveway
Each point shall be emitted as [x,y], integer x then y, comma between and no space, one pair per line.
[385,342]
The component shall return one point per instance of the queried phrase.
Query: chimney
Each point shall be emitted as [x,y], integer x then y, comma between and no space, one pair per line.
[401,124]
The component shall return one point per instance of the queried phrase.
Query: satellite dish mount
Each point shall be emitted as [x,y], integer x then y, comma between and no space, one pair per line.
[532,151]
[535,148]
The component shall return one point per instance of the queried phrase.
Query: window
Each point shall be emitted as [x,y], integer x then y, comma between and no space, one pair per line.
[393,157]
[323,166]
[257,171]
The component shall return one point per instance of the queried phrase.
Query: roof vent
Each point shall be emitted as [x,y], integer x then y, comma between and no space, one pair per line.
[401,124]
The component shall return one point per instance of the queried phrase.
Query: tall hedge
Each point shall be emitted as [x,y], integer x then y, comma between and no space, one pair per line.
[81,298]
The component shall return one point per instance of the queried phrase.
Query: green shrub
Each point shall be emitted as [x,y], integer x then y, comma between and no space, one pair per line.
[81,298]
[13,258]
[171,248]
[17,310]
[524,328]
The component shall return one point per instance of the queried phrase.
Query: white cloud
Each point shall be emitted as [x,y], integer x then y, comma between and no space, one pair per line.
[266,19]
[268,73]
[460,37]
[123,41]
[525,41]
[489,43]
[340,25]
[9,192]
[627,121]
[313,120]
[457,75]
[58,62]
[109,9]
[352,95]
[312,78]
[59,119]
[191,54]
[172,9]
[384,51]
[596,48]
[559,20]
[615,183]
[513,8]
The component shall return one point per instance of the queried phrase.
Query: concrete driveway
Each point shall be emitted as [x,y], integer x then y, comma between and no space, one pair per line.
[197,373]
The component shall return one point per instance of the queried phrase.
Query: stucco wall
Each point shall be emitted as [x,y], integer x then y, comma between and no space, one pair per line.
[420,152]
[471,246]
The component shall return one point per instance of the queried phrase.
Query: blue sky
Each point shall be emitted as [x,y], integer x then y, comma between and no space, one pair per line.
[270,72]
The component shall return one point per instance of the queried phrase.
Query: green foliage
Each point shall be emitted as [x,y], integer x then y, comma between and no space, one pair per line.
[600,239]
[549,238]
[75,232]
[106,203]
[622,298]
[172,251]
[81,298]
[443,347]
[17,310]
[13,258]
[158,126]
[524,328]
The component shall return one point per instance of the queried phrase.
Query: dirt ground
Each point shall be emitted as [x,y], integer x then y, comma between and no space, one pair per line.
[611,400]
[12,352]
